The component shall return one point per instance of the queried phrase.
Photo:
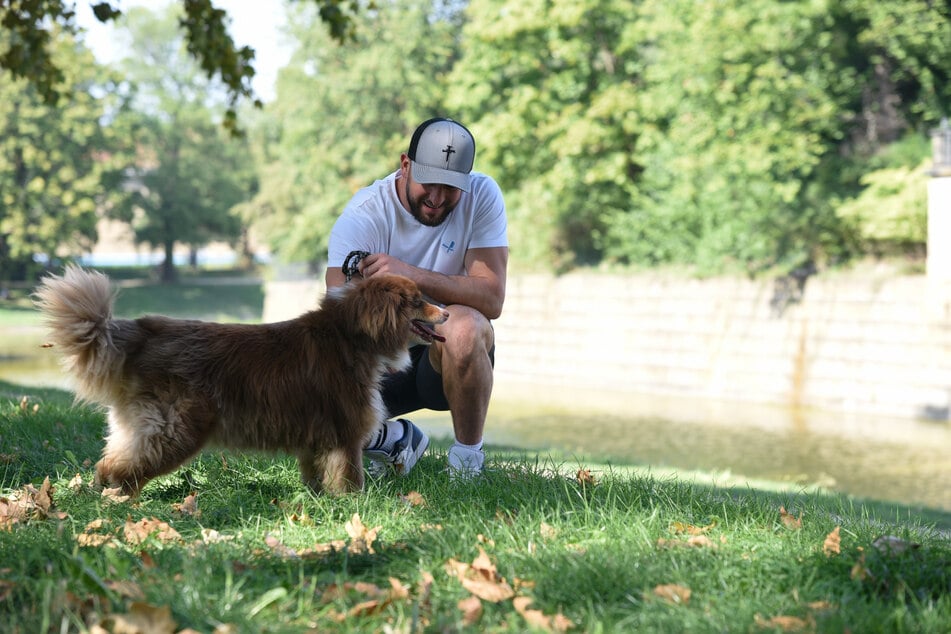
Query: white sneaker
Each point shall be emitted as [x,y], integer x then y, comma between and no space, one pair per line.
[465,464]
[404,455]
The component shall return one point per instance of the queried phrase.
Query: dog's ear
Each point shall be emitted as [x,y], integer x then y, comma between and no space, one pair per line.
[380,307]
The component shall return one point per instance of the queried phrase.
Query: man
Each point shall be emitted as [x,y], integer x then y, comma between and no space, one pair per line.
[443,226]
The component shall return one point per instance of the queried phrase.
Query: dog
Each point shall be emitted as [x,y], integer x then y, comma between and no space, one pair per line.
[309,386]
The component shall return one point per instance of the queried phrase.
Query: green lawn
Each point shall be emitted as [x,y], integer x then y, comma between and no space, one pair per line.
[234,543]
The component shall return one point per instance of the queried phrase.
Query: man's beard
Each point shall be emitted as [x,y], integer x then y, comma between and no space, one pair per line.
[415,209]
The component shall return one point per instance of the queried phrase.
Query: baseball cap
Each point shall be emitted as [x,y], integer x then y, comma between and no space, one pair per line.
[442,151]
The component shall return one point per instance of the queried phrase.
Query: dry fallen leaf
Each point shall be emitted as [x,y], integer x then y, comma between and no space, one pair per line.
[115,495]
[413,498]
[138,532]
[832,545]
[690,529]
[480,578]
[789,520]
[585,478]
[188,507]
[361,537]
[211,536]
[673,593]
[279,549]
[471,608]
[141,619]
[860,571]
[29,504]
[696,541]
[76,484]
[547,531]
[784,623]
[539,620]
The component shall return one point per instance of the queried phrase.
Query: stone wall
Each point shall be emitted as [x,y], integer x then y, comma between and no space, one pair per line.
[858,343]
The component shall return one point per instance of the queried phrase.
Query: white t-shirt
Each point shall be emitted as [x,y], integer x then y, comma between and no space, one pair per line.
[375,221]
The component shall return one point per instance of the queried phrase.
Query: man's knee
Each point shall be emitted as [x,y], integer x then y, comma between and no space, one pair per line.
[468,329]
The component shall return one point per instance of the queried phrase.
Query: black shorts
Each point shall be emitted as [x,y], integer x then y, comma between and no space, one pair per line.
[419,387]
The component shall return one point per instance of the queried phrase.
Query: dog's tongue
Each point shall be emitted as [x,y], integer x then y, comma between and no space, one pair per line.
[429,331]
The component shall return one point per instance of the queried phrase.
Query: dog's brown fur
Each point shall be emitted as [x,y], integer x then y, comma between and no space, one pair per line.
[308,386]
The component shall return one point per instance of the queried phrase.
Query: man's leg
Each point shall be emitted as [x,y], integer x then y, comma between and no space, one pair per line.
[465,364]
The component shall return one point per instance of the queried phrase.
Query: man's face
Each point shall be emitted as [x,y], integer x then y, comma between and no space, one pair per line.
[429,204]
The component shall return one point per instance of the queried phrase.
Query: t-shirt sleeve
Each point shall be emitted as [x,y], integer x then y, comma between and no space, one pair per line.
[354,230]
[490,228]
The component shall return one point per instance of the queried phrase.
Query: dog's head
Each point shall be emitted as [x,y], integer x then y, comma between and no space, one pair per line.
[391,308]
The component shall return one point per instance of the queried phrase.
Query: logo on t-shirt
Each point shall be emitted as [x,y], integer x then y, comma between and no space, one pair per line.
[449,247]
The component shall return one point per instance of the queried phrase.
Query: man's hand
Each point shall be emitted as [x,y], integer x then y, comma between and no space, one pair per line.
[382,263]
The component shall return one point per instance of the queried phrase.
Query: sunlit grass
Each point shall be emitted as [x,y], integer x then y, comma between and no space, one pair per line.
[623,550]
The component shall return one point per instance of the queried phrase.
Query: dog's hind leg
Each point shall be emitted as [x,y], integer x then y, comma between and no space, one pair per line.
[338,470]
[147,442]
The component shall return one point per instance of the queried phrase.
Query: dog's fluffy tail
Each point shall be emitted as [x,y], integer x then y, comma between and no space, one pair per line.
[77,307]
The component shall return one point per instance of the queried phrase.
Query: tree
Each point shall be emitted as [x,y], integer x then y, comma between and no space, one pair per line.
[32,25]
[187,174]
[343,115]
[52,163]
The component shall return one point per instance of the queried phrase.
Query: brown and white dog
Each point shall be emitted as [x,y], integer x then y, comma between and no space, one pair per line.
[307,386]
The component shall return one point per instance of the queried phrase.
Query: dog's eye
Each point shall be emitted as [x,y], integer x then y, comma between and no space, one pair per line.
[417,302]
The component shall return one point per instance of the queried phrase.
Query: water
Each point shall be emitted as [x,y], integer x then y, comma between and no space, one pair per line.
[892,460]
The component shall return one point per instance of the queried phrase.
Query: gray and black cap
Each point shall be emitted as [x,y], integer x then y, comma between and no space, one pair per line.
[442,151]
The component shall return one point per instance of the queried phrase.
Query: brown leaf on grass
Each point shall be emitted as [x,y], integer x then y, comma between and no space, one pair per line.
[696,541]
[188,507]
[93,540]
[585,478]
[547,531]
[138,532]
[29,504]
[471,608]
[892,546]
[142,618]
[690,529]
[789,520]
[93,536]
[784,623]
[76,484]
[413,498]
[114,495]
[481,578]
[361,537]
[539,620]
[860,571]
[278,548]
[673,593]
[126,588]
[832,545]
[211,536]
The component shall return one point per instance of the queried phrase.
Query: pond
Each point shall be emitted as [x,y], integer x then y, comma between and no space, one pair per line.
[893,460]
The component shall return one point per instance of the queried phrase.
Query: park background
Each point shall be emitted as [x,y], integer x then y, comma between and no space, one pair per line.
[706,206]
[723,387]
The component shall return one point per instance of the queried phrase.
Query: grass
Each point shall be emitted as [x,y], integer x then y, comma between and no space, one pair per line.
[254,551]
[207,294]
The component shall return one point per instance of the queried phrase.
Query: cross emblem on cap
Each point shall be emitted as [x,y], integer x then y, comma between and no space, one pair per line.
[448,151]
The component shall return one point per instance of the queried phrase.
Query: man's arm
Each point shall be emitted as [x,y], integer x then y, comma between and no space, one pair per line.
[483,288]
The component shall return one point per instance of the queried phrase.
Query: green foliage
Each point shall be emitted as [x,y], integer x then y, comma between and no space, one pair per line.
[51,164]
[343,115]
[890,213]
[31,27]
[185,174]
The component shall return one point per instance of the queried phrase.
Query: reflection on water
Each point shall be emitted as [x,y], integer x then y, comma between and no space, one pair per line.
[896,460]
